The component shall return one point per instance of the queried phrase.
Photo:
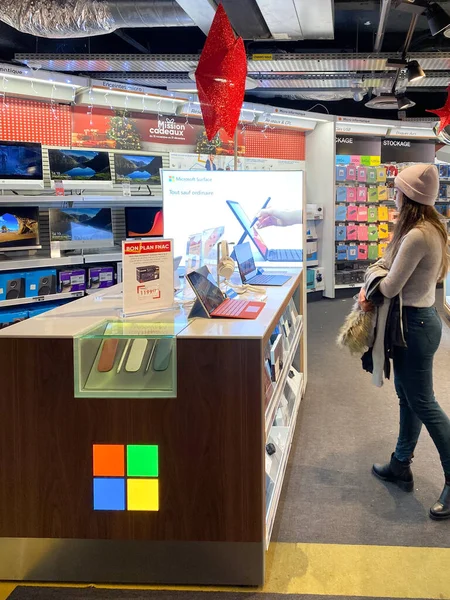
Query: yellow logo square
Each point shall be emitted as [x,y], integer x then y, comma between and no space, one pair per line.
[143,494]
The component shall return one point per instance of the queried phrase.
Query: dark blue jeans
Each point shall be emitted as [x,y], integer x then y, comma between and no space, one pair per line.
[413,370]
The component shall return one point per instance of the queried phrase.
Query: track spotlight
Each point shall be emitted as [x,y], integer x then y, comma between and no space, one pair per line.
[403,102]
[415,71]
[438,19]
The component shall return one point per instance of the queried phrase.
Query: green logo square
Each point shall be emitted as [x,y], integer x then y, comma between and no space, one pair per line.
[142,461]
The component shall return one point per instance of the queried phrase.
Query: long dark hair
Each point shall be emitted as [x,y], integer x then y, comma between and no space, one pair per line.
[412,214]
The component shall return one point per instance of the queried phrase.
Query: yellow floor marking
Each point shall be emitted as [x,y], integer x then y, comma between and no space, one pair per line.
[339,570]
[6,589]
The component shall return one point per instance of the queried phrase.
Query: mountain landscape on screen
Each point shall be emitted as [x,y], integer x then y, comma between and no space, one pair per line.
[84,165]
[80,224]
[138,168]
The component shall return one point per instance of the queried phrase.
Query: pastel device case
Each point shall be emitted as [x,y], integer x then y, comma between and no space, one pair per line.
[108,355]
[162,355]
[136,355]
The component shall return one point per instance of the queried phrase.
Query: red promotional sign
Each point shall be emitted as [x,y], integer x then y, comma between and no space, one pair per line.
[105,128]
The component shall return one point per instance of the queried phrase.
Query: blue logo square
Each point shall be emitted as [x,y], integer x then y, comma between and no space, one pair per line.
[109,493]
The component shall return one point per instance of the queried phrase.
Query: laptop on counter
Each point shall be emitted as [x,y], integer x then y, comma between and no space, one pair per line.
[214,302]
[253,233]
[249,272]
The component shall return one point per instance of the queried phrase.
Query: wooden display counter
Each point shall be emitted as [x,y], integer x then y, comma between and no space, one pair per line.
[211,517]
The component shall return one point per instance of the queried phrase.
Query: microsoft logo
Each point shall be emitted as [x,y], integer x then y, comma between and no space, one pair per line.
[125,477]
[171,178]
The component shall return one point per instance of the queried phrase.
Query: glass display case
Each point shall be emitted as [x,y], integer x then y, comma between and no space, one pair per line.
[126,359]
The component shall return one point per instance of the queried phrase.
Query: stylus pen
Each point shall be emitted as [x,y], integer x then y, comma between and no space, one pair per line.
[124,355]
[152,352]
[255,220]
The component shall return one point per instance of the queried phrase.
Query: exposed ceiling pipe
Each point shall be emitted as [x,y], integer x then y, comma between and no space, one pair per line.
[85,18]
[409,35]
[384,14]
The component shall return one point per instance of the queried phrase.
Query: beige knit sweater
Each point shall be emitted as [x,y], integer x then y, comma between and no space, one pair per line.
[416,268]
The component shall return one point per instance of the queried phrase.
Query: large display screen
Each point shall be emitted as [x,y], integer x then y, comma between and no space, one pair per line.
[19,228]
[20,161]
[260,207]
[79,165]
[81,227]
[138,169]
[146,221]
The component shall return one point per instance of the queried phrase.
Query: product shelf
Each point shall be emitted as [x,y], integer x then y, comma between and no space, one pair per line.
[49,298]
[36,262]
[103,257]
[276,397]
[114,201]
[272,505]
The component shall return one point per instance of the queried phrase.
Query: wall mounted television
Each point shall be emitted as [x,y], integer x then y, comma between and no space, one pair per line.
[19,228]
[142,222]
[80,168]
[20,165]
[78,228]
[137,169]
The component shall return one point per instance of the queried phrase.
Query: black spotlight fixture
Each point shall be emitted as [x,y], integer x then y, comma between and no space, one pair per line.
[403,102]
[438,19]
[414,71]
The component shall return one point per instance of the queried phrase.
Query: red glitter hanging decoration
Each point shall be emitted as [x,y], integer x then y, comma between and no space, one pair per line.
[443,113]
[220,77]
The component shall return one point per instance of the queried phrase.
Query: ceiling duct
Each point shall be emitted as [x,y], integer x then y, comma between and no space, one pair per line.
[85,18]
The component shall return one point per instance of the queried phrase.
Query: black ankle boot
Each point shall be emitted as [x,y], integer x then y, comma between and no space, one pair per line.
[397,472]
[441,510]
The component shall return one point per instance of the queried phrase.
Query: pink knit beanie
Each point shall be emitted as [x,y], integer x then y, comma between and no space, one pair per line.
[420,183]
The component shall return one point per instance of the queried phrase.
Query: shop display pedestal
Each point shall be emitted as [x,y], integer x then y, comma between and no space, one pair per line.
[143,489]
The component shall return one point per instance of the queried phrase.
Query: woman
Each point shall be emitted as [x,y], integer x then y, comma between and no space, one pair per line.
[417,259]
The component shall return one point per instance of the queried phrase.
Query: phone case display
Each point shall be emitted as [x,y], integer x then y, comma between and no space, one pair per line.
[373,251]
[126,359]
[363,233]
[341,213]
[342,252]
[372,194]
[364,225]
[383,231]
[383,213]
[362,214]
[341,194]
[352,252]
[382,193]
[341,233]
[341,173]
[351,173]
[351,194]
[361,174]
[371,175]
[361,194]
[352,232]
[381,174]
[363,252]
[352,213]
